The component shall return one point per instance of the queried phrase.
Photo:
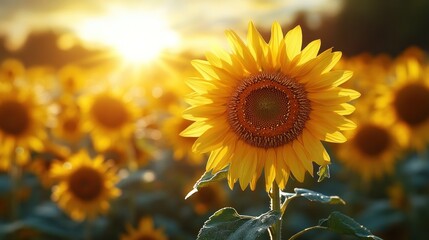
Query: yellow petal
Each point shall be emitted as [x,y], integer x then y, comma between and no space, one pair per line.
[322,132]
[302,156]
[248,168]
[333,96]
[204,111]
[329,79]
[309,52]
[256,43]
[216,157]
[315,148]
[242,51]
[294,164]
[270,169]
[275,42]
[211,139]
[204,68]
[293,42]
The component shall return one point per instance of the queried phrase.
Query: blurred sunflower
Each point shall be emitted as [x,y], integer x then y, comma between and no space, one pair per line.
[71,79]
[69,124]
[267,106]
[368,71]
[12,72]
[182,146]
[407,104]
[21,125]
[371,151]
[145,230]
[85,186]
[110,117]
[127,155]
[164,96]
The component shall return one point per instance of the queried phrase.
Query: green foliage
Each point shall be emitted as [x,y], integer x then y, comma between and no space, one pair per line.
[340,223]
[227,224]
[313,196]
[207,178]
[323,173]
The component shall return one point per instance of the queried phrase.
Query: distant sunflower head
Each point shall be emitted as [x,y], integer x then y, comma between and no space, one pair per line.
[267,106]
[85,186]
[71,78]
[21,123]
[144,231]
[69,124]
[372,150]
[110,117]
[407,104]
[11,71]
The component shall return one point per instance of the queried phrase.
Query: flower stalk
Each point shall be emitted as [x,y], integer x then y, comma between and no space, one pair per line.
[275,229]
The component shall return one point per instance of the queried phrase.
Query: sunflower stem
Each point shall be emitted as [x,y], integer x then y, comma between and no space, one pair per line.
[88,225]
[15,175]
[275,229]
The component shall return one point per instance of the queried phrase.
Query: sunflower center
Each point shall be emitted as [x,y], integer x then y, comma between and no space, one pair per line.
[109,112]
[411,104]
[86,183]
[14,117]
[372,140]
[71,124]
[268,110]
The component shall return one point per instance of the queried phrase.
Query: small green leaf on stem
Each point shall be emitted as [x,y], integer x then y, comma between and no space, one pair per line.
[315,196]
[340,223]
[312,196]
[323,173]
[207,178]
[226,223]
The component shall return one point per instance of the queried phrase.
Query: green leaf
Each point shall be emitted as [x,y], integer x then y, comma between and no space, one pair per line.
[207,178]
[315,196]
[227,224]
[323,173]
[340,223]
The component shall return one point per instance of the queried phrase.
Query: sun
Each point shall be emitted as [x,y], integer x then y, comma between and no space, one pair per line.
[137,37]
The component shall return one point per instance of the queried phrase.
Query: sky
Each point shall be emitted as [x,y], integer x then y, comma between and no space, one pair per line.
[193,23]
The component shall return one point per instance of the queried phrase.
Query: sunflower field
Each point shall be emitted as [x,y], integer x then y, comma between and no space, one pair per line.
[314,126]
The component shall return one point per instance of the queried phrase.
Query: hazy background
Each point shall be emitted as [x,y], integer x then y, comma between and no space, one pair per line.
[48,32]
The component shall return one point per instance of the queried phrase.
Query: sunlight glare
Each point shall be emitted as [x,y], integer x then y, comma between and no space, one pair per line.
[135,36]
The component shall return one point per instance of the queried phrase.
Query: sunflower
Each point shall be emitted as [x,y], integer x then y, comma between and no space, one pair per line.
[110,117]
[127,155]
[12,72]
[182,146]
[71,78]
[69,124]
[85,186]
[21,126]
[266,106]
[407,104]
[145,230]
[372,149]
[368,70]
